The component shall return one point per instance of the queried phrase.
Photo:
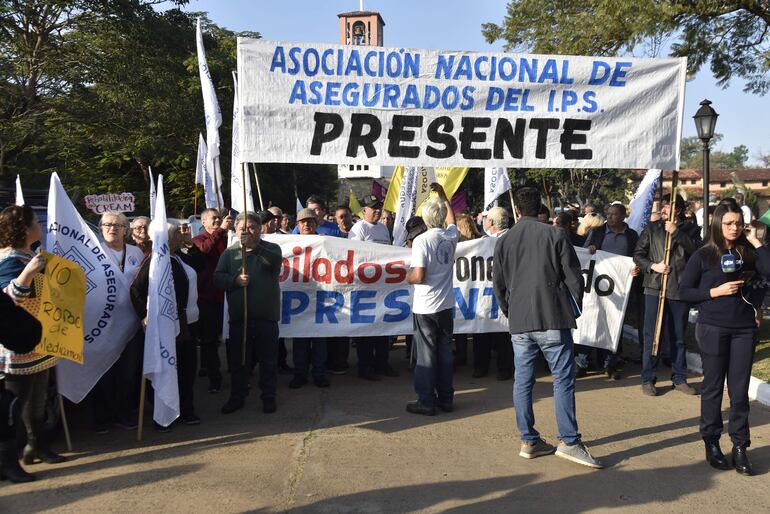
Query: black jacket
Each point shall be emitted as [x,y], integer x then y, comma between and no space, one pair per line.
[596,238]
[649,250]
[535,272]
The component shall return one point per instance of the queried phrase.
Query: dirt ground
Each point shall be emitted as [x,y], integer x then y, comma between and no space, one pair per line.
[353,448]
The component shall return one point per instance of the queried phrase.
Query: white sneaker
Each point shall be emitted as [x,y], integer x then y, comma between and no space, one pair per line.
[579,454]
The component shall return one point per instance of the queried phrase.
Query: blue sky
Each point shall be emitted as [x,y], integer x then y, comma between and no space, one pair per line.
[452,25]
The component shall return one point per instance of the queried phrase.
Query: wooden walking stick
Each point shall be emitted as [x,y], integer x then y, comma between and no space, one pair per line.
[513,208]
[259,189]
[243,266]
[65,424]
[666,259]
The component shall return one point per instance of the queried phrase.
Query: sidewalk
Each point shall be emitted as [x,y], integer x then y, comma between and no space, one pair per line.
[353,448]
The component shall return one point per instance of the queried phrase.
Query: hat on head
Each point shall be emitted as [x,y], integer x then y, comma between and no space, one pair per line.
[306,214]
[414,227]
[371,201]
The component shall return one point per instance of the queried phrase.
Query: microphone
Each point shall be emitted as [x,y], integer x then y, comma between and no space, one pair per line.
[729,264]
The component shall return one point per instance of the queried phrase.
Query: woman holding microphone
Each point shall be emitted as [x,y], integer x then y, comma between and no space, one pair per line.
[715,280]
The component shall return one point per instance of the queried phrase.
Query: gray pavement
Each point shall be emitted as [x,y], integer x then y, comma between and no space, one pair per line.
[353,448]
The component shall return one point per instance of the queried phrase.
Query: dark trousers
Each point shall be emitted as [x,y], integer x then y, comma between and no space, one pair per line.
[725,352]
[116,396]
[262,338]
[9,413]
[461,348]
[282,353]
[337,352]
[30,391]
[672,333]
[433,373]
[372,354]
[306,350]
[209,330]
[186,368]
[483,344]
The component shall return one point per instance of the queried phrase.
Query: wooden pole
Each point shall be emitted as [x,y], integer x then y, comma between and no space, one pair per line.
[65,424]
[666,259]
[216,183]
[513,209]
[243,266]
[142,391]
[259,189]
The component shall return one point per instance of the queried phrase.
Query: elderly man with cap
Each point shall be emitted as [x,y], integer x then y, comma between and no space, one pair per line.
[372,351]
[324,228]
[306,348]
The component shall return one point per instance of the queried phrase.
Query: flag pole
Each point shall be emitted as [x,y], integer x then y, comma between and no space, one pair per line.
[259,189]
[195,202]
[216,183]
[65,424]
[666,259]
[141,408]
[513,209]
[243,264]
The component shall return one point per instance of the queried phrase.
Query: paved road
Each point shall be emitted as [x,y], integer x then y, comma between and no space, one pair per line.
[353,448]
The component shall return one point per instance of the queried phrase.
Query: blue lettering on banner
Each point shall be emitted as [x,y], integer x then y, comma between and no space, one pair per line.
[468,309]
[288,309]
[357,306]
[329,310]
[392,302]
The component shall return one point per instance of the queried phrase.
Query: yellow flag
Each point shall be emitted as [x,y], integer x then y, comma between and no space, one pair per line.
[393,189]
[355,207]
[450,178]
[62,300]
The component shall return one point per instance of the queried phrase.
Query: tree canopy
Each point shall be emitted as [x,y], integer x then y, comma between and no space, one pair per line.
[692,154]
[732,37]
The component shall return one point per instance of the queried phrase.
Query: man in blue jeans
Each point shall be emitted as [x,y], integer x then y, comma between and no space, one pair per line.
[538,283]
[431,270]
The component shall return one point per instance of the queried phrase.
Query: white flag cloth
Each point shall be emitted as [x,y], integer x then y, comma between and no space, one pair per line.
[152,194]
[236,189]
[210,103]
[496,182]
[200,163]
[415,189]
[19,193]
[641,204]
[204,177]
[162,321]
[109,320]
[299,206]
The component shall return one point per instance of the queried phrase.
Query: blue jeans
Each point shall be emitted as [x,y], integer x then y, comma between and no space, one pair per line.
[675,315]
[556,346]
[307,349]
[435,361]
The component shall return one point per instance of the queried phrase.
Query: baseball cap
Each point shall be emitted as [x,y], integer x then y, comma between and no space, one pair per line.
[414,227]
[305,214]
[371,201]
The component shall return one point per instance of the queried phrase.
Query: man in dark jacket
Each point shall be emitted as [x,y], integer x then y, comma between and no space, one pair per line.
[649,257]
[263,263]
[538,283]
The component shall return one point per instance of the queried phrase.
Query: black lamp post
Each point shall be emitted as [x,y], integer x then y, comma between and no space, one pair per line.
[705,122]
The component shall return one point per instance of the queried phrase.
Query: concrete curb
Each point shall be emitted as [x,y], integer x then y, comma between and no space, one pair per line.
[759,390]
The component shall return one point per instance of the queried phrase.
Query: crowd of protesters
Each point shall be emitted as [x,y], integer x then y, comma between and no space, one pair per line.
[536,251]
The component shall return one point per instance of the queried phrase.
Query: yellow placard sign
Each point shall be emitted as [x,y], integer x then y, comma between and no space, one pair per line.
[62,299]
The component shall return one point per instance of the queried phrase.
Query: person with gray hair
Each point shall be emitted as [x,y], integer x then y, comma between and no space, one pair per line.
[140,234]
[433,303]
[496,221]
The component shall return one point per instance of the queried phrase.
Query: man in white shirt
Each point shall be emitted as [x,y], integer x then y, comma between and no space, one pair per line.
[431,273]
[373,351]
[745,209]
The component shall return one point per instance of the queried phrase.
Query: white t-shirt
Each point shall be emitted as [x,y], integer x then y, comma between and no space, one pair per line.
[434,250]
[365,231]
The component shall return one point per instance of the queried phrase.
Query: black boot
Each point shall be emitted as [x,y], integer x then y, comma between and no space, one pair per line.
[9,464]
[38,449]
[715,457]
[741,461]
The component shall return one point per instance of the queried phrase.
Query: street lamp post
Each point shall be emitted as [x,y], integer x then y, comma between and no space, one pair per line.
[705,123]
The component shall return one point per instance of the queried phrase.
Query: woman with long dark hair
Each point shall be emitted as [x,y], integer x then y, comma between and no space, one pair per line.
[716,279]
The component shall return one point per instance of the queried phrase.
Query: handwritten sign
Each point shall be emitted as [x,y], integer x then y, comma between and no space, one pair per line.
[62,299]
[120,202]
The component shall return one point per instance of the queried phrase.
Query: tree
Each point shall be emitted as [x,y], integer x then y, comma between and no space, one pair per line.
[731,36]
[692,155]
[572,186]
[764,158]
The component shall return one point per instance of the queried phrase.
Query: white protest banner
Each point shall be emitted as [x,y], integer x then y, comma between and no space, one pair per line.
[19,192]
[110,202]
[162,321]
[210,103]
[200,162]
[236,189]
[641,203]
[345,288]
[607,278]
[322,103]
[153,194]
[109,320]
[415,189]
[496,182]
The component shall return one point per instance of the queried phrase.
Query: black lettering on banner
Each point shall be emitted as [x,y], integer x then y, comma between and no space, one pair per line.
[444,137]
[357,137]
[513,138]
[320,134]
[597,284]
[542,125]
[468,136]
[569,138]
[399,133]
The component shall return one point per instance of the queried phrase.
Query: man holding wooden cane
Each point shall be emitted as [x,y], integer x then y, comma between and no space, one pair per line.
[263,263]
[649,256]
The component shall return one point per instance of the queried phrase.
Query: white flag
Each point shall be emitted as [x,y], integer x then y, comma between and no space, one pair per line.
[109,320]
[496,182]
[210,103]
[641,204]
[162,320]
[299,206]
[405,206]
[19,193]
[236,189]
[152,194]
[200,163]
